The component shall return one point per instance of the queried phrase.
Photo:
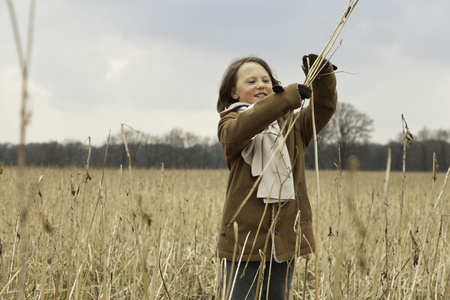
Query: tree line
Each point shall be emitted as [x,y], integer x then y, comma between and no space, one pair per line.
[177,149]
[347,134]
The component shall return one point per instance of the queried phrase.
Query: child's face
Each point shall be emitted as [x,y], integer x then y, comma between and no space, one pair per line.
[252,83]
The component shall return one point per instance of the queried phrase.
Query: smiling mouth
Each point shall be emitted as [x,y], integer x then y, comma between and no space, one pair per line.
[261,95]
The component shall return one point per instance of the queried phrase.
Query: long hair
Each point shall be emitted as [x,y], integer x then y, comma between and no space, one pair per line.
[230,76]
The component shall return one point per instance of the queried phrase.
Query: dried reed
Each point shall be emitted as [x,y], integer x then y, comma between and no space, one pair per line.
[24,62]
[187,262]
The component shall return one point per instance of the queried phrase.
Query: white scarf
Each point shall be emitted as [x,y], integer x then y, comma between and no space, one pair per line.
[277,183]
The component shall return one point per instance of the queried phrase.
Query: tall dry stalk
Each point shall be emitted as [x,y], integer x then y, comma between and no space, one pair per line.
[430,225]
[313,72]
[72,237]
[6,287]
[316,166]
[46,230]
[407,140]
[324,54]
[10,276]
[139,244]
[104,294]
[25,63]
[77,285]
[230,286]
[427,235]
[386,272]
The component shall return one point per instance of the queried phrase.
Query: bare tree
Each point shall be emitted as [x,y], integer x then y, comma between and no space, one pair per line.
[443,135]
[347,129]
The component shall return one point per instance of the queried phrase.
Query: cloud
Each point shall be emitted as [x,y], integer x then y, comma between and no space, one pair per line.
[158,64]
[101,120]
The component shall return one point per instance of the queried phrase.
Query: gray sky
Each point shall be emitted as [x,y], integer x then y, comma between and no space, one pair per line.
[156,65]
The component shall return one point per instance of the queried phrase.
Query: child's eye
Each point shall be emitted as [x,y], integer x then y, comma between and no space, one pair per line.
[251,81]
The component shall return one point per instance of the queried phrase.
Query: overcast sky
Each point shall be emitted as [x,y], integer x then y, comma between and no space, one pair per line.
[157,64]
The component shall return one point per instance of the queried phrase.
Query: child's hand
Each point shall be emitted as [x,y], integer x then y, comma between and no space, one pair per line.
[304,91]
[312,58]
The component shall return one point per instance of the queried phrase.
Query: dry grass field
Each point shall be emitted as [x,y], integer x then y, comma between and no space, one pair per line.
[153,233]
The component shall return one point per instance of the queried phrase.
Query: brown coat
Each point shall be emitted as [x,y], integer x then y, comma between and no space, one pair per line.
[235,130]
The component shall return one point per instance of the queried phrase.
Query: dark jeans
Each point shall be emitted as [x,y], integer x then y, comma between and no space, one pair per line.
[245,288]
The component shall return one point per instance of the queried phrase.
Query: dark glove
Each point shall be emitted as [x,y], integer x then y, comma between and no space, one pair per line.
[304,91]
[312,58]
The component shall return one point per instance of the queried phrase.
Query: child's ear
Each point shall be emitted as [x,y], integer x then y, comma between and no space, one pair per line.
[234,95]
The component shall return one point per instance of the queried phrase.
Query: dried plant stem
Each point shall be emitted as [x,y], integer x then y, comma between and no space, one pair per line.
[305,278]
[104,252]
[446,290]
[139,244]
[317,66]
[72,240]
[336,289]
[413,285]
[230,287]
[403,179]
[438,241]
[442,190]
[435,172]
[122,128]
[24,61]
[44,265]
[402,199]
[316,165]
[385,205]
[431,220]
[16,231]
[269,274]
[76,288]
[160,269]
[235,229]
[312,73]
[436,293]
[88,160]
[433,210]
[99,190]
[316,154]
[6,287]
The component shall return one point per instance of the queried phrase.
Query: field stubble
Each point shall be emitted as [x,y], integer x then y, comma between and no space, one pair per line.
[153,234]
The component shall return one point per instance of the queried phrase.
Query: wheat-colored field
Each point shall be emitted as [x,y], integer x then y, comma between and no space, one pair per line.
[152,234]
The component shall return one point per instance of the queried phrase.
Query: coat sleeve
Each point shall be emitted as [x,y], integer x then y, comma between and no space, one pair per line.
[325,101]
[235,130]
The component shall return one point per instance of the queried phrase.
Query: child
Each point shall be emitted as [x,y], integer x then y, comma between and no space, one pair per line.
[274,220]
